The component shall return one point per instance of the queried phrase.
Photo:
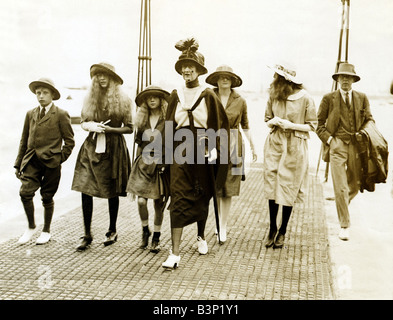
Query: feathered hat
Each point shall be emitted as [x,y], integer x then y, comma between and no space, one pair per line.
[189,49]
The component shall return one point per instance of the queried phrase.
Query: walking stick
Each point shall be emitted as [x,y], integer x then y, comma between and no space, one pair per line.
[344,22]
[215,203]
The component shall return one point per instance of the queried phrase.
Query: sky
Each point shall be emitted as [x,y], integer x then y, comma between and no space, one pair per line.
[61,39]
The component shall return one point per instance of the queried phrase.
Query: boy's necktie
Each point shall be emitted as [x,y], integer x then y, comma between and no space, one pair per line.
[42,114]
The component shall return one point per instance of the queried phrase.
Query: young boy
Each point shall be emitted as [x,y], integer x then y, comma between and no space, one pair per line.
[47,141]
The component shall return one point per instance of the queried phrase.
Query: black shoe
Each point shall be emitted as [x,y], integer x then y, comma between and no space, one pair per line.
[145,238]
[155,246]
[279,242]
[111,238]
[155,242]
[85,243]
[270,239]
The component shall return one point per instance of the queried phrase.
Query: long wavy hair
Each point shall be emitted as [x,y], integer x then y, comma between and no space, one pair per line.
[143,113]
[281,89]
[112,98]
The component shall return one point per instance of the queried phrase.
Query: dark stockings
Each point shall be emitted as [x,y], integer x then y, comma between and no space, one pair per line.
[48,214]
[28,205]
[286,214]
[87,208]
[273,209]
[201,228]
[113,211]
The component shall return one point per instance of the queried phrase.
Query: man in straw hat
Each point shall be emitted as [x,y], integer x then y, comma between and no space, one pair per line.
[47,141]
[341,115]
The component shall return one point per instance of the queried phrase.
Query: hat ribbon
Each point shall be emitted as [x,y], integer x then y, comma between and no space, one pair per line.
[290,72]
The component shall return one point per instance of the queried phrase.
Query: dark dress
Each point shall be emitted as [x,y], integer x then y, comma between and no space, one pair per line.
[191,184]
[144,178]
[104,175]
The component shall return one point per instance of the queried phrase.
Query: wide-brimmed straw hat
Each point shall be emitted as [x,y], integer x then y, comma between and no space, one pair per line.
[224,70]
[151,91]
[288,72]
[346,69]
[105,68]
[47,83]
[190,53]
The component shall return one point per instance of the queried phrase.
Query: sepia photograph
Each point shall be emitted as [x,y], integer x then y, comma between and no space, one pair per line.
[201,156]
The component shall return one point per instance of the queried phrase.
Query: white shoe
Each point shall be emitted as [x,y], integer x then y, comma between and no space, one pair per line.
[43,238]
[172,262]
[223,236]
[26,236]
[202,245]
[344,234]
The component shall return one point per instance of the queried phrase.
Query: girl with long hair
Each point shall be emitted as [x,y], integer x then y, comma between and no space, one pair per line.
[145,181]
[291,114]
[103,164]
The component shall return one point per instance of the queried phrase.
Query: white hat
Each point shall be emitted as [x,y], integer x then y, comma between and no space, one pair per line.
[287,72]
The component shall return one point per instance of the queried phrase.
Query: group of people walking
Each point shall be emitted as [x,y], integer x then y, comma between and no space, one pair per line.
[211,167]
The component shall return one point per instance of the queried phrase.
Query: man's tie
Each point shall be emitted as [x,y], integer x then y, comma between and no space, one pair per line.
[42,114]
[347,100]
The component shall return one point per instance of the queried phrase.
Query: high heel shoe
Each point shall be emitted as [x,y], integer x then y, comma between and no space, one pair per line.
[279,242]
[155,246]
[270,239]
[223,236]
[111,238]
[172,262]
[86,241]
[202,245]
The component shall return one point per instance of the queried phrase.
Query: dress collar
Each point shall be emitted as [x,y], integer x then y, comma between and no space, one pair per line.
[297,95]
[180,94]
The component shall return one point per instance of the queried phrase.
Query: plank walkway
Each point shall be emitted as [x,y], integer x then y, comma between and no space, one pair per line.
[241,269]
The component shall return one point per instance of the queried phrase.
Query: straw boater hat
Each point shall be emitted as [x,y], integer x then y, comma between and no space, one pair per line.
[106,68]
[288,72]
[151,91]
[189,49]
[224,70]
[346,69]
[47,83]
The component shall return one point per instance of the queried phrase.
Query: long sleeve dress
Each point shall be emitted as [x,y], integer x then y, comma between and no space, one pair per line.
[286,151]
[104,175]
[236,111]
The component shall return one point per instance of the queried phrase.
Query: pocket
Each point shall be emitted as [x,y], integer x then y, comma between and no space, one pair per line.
[325,152]
[55,151]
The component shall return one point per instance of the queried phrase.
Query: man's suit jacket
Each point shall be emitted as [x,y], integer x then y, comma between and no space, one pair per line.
[329,113]
[45,138]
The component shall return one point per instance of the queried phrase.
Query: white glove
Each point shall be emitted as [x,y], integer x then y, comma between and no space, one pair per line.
[273,122]
[92,126]
[212,155]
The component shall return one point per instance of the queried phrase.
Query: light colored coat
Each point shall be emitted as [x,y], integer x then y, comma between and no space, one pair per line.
[286,152]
